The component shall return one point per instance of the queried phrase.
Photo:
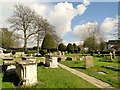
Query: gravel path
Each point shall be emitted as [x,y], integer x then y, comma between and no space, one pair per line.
[94,81]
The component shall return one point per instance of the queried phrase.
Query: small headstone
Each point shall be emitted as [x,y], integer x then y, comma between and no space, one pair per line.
[76,57]
[98,53]
[89,62]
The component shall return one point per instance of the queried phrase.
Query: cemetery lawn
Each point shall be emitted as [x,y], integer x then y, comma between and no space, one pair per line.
[55,78]
[59,78]
[111,75]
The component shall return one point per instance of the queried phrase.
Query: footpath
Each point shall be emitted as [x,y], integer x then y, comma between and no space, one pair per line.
[94,81]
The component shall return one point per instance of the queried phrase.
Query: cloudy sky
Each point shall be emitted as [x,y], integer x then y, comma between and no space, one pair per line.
[69,18]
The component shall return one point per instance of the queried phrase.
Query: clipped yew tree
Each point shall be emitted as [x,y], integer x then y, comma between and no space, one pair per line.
[70,48]
[62,47]
[48,43]
[75,48]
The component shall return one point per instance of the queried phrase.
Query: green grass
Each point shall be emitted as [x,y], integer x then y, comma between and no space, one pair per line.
[60,78]
[108,77]
[55,78]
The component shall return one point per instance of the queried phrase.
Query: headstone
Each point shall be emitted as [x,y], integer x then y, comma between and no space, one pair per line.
[114,54]
[98,53]
[51,61]
[89,62]
[76,57]
[111,56]
[60,53]
[62,58]
[63,53]
[27,72]
[70,58]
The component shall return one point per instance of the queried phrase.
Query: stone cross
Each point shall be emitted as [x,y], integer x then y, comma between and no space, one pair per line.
[111,56]
[89,61]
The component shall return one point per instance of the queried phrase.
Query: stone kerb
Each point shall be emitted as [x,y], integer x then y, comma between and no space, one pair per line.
[27,72]
[89,61]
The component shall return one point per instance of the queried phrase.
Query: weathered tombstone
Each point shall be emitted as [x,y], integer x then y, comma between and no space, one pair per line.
[114,54]
[60,53]
[98,53]
[62,58]
[89,62]
[111,56]
[63,53]
[51,61]
[76,57]
[27,72]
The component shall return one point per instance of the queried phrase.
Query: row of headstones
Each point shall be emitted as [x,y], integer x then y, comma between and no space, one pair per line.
[27,68]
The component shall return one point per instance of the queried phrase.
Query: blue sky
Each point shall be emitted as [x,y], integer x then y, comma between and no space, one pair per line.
[96,11]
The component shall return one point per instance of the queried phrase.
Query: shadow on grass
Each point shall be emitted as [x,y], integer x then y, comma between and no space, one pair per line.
[11,77]
[78,67]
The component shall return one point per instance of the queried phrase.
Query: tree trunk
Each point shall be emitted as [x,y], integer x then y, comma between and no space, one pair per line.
[38,42]
[25,41]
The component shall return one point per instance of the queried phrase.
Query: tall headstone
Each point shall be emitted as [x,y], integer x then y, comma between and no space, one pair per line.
[114,54]
[60,54]
[89,61]
[111,58]
[63,53]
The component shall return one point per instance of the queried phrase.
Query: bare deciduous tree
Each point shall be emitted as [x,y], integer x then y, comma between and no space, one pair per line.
[23,20]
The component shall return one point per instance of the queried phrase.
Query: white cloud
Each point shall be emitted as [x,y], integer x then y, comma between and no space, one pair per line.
[109,24]
[62,15]
[86,3]
[81,31]
[40,9]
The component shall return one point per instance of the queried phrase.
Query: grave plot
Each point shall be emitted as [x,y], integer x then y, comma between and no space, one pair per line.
[106,74]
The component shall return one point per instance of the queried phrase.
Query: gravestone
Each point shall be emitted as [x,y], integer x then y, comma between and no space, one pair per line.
[60,54]
[62,58]
[82,58]
[27,72]
[98,53]
[114,54]
[76,57]
[51,61]
[89,61]
[63,53]
[111,56]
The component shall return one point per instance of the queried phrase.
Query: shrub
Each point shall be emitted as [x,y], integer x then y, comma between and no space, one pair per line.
[43,52]
[30,52]
[70,48]
[62,47]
